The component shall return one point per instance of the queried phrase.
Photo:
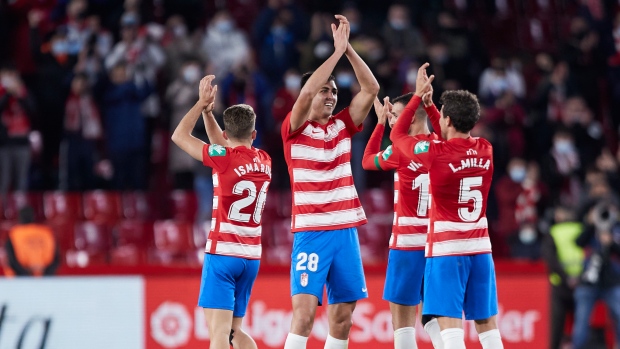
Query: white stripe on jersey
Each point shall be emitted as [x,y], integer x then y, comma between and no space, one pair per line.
[239,230]
[304,152]
[236,249]
[460,247]
[303,175]
[329,218]
[412,222]
[409,240]
[443,226]
[213,222]
[325,197]
[319,134]
[215,202]
[395,196]
[216,180]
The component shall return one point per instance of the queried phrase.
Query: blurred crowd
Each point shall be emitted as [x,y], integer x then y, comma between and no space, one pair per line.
[91,89]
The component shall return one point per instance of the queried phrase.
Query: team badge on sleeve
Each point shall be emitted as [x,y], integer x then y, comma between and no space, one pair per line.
[216,150]
[421,147]
[387,152]
[304,279]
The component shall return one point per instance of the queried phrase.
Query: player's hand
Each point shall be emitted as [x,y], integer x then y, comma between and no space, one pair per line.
[206,93]
[382,110]
[423,81]
[427,98]
[341,34]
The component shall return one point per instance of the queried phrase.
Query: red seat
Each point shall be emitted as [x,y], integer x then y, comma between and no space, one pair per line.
[5,227]
[102,207]
[60,206]
[378,200]
[17,200]
[173,242]
[140,205]
[91,245]
[63,232]
[133,238]
[536,33]
[183,205]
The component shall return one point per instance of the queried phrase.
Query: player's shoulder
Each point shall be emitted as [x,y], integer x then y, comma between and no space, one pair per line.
[483,143]
[263,155]
[216,150]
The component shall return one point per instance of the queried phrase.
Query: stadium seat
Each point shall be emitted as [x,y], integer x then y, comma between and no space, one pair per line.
[17,200]
[60,206]
[536,33]
[63,232]
[173,242]
[285,203]
[140,205]
[378,200]
[132,240]
[183,205]
[102,207]
[92,243]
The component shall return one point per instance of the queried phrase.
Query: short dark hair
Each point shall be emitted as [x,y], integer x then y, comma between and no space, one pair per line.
[420,113]
[306,76]
[239,121]
[404,99]
[462,107]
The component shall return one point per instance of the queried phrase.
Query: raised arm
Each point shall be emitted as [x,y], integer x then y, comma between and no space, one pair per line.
[373,154]
[399,135]
[182,135]
[301,108]
[361,103]
[431,111]
[208,93]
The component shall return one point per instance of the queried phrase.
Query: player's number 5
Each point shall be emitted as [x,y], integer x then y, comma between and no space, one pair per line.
[467,194]
[312,259]
[234,213]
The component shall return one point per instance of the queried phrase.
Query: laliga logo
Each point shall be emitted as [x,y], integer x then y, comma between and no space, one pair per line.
[171,325]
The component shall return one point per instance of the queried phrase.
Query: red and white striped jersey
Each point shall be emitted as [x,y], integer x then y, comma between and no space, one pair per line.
[319,162]
[460,172]
[411,196]
[241,177]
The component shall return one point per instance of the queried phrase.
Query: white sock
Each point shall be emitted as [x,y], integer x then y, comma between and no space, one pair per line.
[404,338]
[491,340]
[453,338]
[295,341]
[434,331]
[333,343]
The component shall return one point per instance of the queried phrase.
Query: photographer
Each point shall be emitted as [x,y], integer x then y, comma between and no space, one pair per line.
[600,279]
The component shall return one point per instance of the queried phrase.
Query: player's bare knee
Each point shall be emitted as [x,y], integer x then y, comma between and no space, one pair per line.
[486,324]
[340,326]
[302,323]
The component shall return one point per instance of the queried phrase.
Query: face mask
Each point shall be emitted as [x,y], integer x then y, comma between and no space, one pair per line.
[412,76]
[292,82]
[278,31]
[563,146]
[179,31]
[323,49]
[527,235]
[344,80]
[517,174]
[224,26]
[191,74]
[397,24]
[59,47]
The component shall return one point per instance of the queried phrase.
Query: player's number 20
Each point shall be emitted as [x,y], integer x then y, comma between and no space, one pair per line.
[234,213]
[312,259]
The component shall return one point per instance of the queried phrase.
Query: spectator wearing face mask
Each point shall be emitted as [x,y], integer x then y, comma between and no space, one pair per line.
[178,43]
[181,95]
[507,191]
[498,79]
[402,39]
[224,45]
[525,244]
[561,168]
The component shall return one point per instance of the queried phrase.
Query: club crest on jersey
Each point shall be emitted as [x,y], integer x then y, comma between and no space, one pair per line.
[216,150]
[421,147]
[304,280]
[387,152]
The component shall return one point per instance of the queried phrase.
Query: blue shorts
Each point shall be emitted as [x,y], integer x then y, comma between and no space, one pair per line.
[403,280]
[329,257]
[457,284]
[227,283]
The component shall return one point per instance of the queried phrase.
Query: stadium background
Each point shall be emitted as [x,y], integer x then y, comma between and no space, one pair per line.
[131,232]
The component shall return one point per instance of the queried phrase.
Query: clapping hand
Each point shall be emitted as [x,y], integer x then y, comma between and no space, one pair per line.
[341,34]
[423,82]
[206,93]
[383,111]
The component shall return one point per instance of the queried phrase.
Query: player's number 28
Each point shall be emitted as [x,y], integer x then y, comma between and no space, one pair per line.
[312,259]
